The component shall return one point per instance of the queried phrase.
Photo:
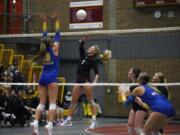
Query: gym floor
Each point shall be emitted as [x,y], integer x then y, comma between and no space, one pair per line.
[106,126]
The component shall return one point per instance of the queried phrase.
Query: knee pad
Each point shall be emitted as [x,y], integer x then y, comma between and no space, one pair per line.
[61,110]
[92,102]
[52,106]
[156,133]
[73,105]
[138,130]
[142,133]
[41,107]
[130,130]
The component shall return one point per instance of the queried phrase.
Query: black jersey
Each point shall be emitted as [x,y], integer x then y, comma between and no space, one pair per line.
[86,63]
[136,106]
[164,91]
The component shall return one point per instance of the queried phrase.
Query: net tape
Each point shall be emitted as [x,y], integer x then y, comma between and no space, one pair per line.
[95,84]
[97,32]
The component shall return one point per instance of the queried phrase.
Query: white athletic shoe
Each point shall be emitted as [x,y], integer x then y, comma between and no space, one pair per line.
[66,123]
[93,124]
[34,128]
[49,128]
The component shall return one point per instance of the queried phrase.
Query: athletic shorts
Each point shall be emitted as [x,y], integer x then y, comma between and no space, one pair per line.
[136,107]
[47,79]
[166,109]
[81,79]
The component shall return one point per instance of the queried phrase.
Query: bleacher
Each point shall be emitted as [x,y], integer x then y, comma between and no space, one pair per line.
[31,72]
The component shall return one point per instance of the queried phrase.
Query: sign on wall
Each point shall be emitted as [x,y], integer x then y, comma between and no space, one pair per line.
[93,18]
[145,3]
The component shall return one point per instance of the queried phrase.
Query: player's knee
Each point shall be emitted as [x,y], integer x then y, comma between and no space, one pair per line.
[130,129]
[52,106]
[40,107]
[92,102]
[138,130]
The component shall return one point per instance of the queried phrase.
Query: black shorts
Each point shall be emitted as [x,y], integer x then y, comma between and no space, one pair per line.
[137,107]
[81,79]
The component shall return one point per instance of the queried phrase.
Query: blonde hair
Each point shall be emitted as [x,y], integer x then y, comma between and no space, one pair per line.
[106,55]
[97,50]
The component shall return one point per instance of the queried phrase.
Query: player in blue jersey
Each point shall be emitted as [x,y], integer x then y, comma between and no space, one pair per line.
[48,84]
[148,96]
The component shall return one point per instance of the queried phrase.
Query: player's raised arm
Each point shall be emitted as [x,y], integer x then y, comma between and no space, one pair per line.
[57,38]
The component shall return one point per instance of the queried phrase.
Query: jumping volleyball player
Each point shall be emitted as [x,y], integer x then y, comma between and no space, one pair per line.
[162,109]
[48,84]
[88,61]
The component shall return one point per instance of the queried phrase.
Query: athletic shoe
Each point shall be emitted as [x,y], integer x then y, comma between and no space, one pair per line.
[93,124]
[60,122]
[5,115]
[49,128]
[66,123]
[13,116]
[34,128]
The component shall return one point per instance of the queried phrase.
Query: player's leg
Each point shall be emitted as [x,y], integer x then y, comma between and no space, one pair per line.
[43,97]
[131,119]
[75,96]
[52,93]
[90,98]
[154,122]
[139,121]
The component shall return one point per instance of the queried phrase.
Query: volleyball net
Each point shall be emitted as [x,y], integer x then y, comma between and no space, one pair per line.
[151,50]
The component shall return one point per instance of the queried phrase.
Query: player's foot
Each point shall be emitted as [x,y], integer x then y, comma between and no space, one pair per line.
[34,127]
[49,128]
[60,122]
[93,124]
[66,123]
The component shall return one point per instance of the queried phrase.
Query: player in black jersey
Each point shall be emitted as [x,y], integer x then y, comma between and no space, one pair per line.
[158,77]
[137,113]
[88,60]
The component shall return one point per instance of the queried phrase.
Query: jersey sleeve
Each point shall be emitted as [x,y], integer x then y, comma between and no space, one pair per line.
[95,67]
[81,49]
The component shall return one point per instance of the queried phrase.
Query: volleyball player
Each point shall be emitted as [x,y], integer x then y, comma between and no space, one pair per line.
[162,109]
[48,84]
[137,112]
[88,61]
[158,77]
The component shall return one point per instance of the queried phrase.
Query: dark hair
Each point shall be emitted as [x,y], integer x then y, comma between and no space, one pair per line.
[143,78]
[47,41]
[136,72]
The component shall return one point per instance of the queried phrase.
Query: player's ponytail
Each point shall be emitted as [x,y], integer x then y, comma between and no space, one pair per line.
[106,56]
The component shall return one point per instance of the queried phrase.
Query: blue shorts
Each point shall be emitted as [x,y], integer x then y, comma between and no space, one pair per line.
[166,109]
[47,79]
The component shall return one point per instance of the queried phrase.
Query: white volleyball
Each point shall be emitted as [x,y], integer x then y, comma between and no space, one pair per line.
[81,14]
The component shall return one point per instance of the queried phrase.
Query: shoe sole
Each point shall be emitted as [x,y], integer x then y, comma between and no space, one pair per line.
[33,132]
[47,131]
[68,125]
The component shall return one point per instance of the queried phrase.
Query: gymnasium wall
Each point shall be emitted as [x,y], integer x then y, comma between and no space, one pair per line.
[126,16]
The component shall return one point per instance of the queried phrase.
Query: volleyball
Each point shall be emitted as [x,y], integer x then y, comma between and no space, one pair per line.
[81,14]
